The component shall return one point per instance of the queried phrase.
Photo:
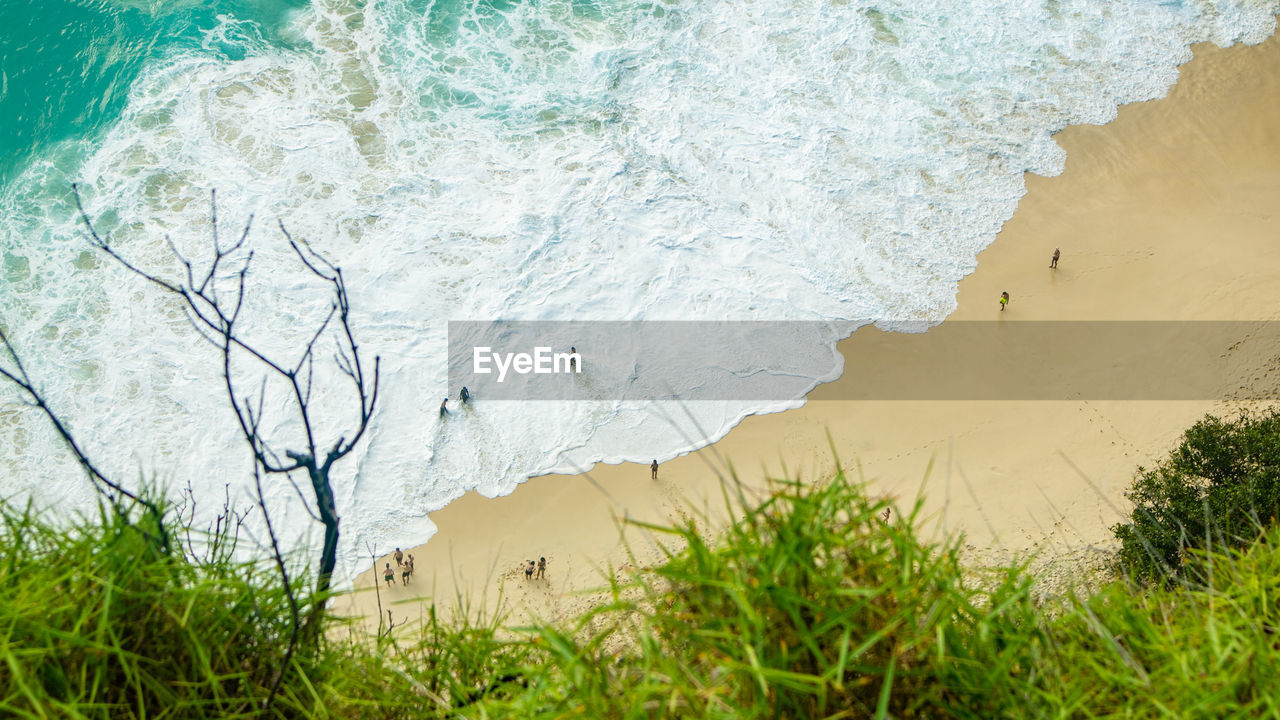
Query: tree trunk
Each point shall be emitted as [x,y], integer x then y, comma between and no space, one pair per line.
[329,554]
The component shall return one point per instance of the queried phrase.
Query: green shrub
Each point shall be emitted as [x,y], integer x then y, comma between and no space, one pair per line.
[1220,486]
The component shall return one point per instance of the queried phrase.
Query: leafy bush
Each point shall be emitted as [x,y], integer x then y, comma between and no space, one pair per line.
[1220,486]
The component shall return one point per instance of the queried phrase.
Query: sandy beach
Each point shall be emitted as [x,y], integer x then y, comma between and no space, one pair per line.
[1165,214]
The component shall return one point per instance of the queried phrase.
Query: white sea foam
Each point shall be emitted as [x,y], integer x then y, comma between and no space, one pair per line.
[770,159]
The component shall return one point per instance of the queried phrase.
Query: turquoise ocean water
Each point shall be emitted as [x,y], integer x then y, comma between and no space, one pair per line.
[68,66]
[831,160]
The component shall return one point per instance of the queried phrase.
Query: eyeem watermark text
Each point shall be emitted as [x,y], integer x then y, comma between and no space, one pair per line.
[540,362]
[749,361]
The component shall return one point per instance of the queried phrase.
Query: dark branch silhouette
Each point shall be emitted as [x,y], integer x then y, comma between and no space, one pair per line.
[216,316]
[285,582]
[110,490]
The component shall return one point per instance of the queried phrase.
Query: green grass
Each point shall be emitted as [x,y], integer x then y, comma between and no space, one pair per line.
[810,607]
[101,620]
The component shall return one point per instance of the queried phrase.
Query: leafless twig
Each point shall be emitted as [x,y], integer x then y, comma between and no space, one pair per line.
[215,316]
[107,488]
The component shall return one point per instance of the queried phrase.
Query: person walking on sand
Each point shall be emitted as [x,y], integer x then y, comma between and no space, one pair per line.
[1004,301]
[409,563]
[1057,253]
[399,557]
[542,568]
[389,575]
[528,571]
[404,575]
[653,469]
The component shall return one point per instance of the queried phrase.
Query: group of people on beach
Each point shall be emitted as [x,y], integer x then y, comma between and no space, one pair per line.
[405,564]
[540,569]
[1053,263]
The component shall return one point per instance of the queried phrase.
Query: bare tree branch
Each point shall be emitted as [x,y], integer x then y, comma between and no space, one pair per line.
[216,320]
[285,582]
[109,489]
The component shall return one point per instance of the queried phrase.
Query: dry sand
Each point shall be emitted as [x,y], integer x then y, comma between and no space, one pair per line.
[1166,213]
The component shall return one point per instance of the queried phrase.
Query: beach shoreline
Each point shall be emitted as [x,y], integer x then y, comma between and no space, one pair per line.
[1163,214]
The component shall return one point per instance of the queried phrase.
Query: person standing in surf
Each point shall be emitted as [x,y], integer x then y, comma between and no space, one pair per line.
[465,395]
[444,410]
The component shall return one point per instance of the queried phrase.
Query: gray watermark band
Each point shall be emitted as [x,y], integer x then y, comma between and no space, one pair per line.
[762,361]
